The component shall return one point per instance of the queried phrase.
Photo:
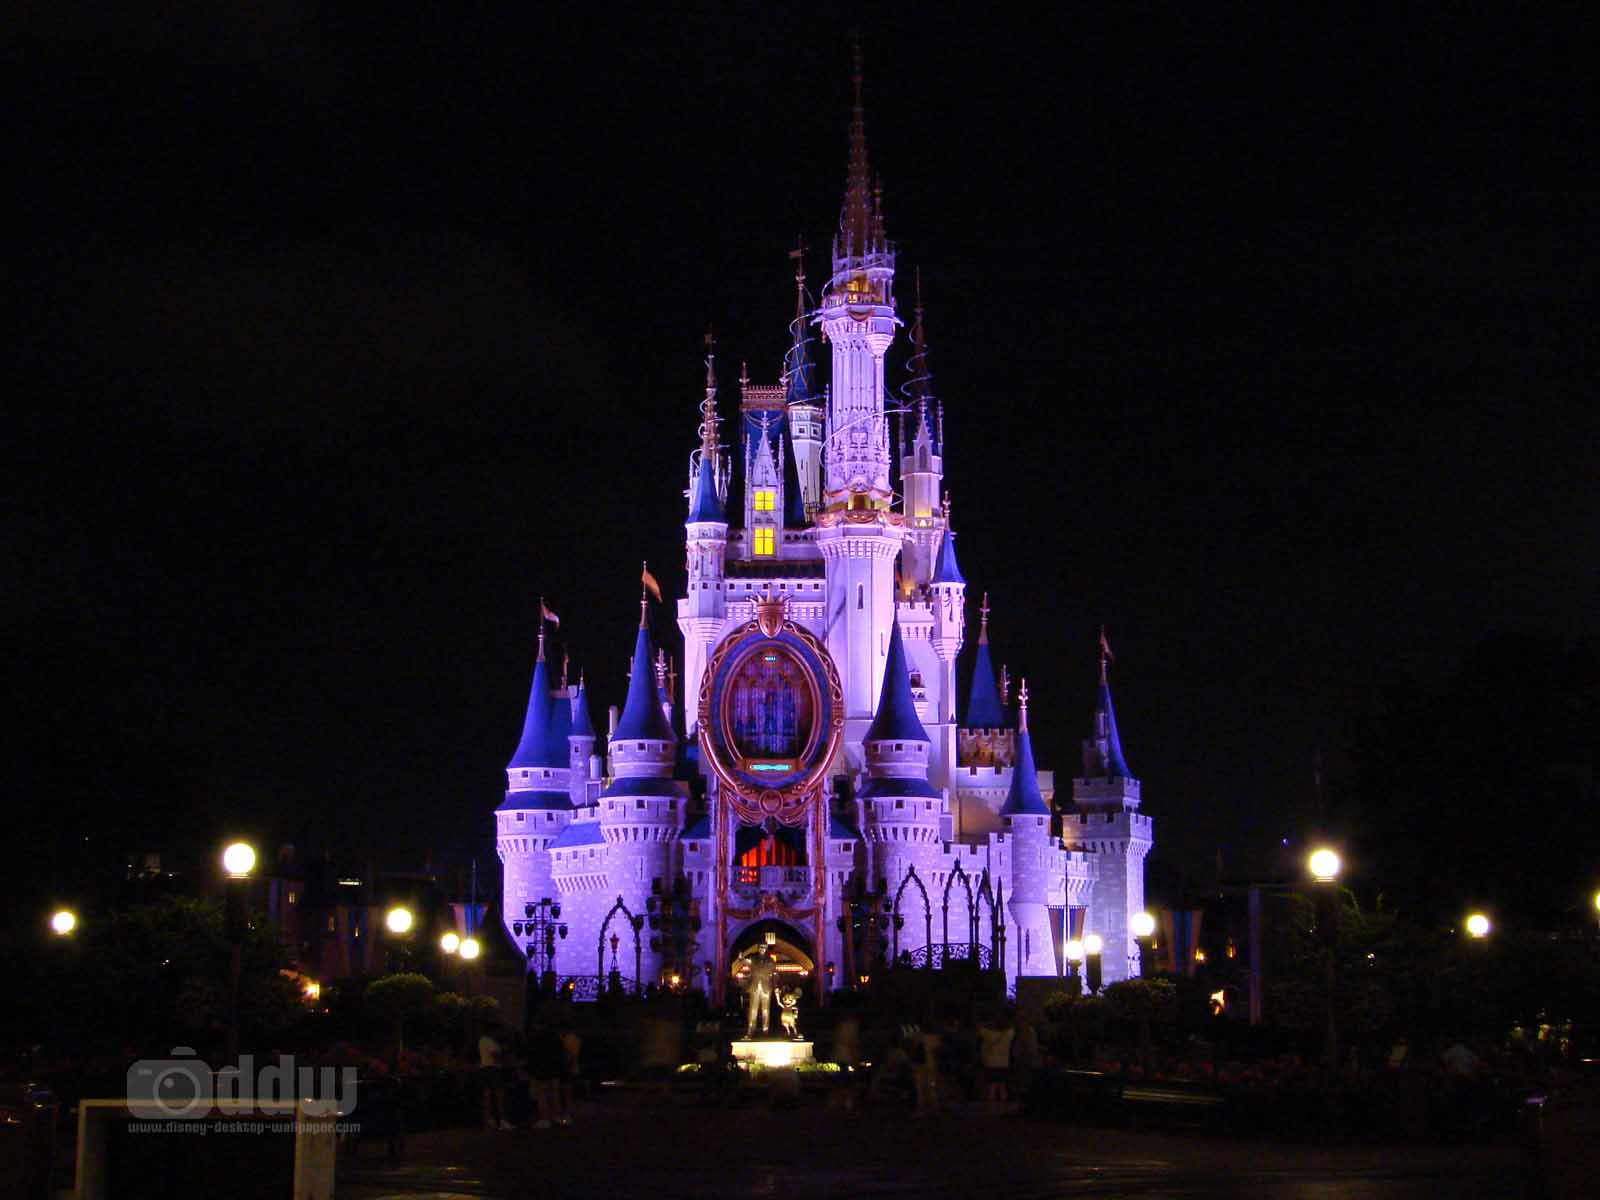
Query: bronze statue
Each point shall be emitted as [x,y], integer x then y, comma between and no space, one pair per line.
[758,978]
[789,1011]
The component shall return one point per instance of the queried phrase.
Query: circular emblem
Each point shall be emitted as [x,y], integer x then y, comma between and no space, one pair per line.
[771,715]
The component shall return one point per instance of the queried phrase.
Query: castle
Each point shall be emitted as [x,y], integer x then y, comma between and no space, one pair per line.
[829,795]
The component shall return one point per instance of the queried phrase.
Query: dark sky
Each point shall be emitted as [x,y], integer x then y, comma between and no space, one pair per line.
[344,337]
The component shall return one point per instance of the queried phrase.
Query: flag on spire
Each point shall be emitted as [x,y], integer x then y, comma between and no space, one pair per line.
[546,613]
[650,583]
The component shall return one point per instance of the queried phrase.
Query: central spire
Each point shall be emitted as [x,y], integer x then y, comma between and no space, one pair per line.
[859,219]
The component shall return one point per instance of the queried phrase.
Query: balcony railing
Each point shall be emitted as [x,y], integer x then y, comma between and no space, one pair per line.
[773,879]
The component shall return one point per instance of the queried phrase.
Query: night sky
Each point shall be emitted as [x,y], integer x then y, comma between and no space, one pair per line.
[344,338]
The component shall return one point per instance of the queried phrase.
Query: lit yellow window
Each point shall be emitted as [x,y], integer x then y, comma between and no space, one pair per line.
[763,541]
[764,499]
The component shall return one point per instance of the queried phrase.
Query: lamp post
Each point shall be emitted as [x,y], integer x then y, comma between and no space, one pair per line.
[1597,906]
[1324,865]
[397,922]
[63,921]
[1142,925]
[1074,953]
[238,860]
[1093,945]
[1478,926]
[542,926]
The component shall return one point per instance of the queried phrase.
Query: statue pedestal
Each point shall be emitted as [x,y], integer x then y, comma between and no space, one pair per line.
[773,1052]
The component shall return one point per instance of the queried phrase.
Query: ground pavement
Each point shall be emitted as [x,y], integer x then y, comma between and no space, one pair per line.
[665,1152]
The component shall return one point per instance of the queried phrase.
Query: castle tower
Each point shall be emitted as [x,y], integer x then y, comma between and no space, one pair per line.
[538,802]
[1026,818]
[802,400]
[763,483]
[703,610]
[985,739]
[1104,817]
[903,808]
[583,763]
[642,809]
[858,536]
[858,319]
[947,597]
[921,462]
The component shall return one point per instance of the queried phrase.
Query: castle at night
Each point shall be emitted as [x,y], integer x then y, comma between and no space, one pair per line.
[827,793]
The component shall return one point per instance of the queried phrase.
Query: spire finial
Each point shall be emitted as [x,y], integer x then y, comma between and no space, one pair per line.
[566,660]
[708,406]
[1022,707]
[947,510]
[661,667]
[644,592]
[1106,657]
[541,630]
[856,222]
[1005,684]
[983,621]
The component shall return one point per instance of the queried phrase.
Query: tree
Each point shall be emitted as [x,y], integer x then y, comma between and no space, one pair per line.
[394,998]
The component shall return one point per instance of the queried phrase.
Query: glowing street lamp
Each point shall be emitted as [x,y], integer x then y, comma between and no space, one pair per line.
[398,919]
[63,922]
[1478,926]
[450,943]
[1142,924]
[469,949]
[1324,865]
[239,859]
[1093,944]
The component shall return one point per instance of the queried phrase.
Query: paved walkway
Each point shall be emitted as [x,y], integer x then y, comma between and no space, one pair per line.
[666,1153]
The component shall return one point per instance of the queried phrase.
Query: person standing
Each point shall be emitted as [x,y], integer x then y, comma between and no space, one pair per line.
[544,1070]
[491,1073]
[994,1057]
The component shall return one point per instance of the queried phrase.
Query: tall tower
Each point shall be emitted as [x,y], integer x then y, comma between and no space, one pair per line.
[921,460]
[1026,818]
[1105,814]
[702,611]
[903,807]
[801,397]
[858,319]
[857,533]
[642,809]
[947,598]
[538,802]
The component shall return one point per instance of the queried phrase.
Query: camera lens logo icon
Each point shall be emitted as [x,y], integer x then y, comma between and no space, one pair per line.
[170,1089]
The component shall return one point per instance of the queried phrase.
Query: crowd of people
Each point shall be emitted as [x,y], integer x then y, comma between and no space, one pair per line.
[543,1064]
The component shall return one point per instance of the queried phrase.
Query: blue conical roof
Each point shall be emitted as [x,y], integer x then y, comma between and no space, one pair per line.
[581,725]
[704,503]
[1024,796]
[1116,766]
[984,710]
[536,749]
[560,721]
[896,719]
[947,570]
[642,719]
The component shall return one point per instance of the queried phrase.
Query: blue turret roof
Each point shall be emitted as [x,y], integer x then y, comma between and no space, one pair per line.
[1115,765]
[579,833]
[581,725]
[704,503]
[560,722]
[877,789]
[536,749]
[947,570]
[896,719]
[642,718]
[984,710]
[1024,796]
[697,829]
